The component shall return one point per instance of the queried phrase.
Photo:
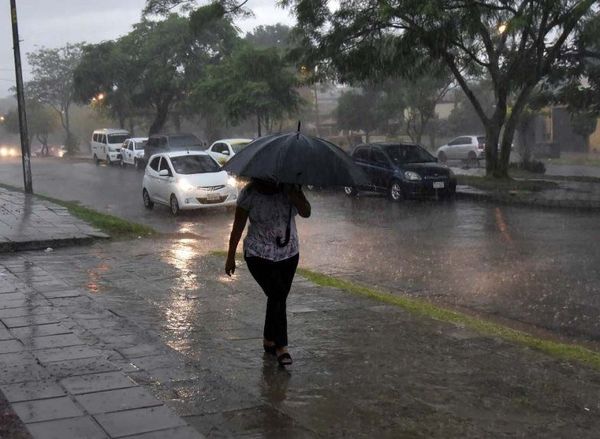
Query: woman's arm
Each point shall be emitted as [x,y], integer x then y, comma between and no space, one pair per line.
[298,199]
[241,216]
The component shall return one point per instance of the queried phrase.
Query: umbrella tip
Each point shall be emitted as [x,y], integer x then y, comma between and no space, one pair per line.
[299,125]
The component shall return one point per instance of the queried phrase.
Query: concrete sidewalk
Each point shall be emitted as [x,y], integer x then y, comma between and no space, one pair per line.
[29,223]
[107,332]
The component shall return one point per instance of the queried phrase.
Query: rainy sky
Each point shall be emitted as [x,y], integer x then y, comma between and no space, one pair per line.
[53,23]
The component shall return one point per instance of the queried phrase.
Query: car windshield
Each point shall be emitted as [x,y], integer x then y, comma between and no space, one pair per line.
[237,147]
[194,164]
[402,154]
[185,141]
[117,138]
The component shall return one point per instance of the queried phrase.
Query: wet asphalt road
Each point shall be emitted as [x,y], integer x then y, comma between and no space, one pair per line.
[538,267]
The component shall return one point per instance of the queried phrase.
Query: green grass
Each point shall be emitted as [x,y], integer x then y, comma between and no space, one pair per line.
[506,185]
[116,227]
[576,159]
[563,351]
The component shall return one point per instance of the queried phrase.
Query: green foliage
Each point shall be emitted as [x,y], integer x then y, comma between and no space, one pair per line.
[250,83]
[360,110]
[41,122]
[52,84]
[263,37]
[517,44]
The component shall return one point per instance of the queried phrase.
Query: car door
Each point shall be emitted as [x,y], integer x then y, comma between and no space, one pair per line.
[361,156]
[381,169]
[151,178]
[163,183]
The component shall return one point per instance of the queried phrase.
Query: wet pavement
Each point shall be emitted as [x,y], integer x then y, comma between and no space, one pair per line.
[27,222]
[160,321]
[530,266]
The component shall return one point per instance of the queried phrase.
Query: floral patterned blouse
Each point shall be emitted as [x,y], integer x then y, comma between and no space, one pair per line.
[268,215]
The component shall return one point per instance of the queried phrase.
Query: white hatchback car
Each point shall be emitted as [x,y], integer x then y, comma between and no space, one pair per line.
[468,148]
[186,180]
[132,151]
[223,150]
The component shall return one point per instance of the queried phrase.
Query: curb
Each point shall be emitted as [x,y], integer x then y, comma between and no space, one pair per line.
[16,246]
[514,201]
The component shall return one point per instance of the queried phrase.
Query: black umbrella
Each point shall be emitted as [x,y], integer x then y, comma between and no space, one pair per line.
[296,159]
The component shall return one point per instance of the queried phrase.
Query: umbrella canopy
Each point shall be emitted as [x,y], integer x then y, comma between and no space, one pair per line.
[297,159]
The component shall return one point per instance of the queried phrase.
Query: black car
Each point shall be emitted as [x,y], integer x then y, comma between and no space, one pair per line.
[171,142]
[403,171]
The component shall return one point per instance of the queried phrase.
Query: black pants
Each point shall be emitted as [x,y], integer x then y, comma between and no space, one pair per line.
[275,278]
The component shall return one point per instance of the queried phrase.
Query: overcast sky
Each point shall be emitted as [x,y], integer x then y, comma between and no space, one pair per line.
[53,23]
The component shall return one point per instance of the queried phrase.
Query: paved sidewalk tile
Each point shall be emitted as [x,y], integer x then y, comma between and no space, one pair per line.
[43,319]
[66,353]
[171,433]
[81,366]
[32,390]
[117,400]
[28,332]
[97,382]
[46,409]
[10,346]
[138,421]
[74,428]
[53,341]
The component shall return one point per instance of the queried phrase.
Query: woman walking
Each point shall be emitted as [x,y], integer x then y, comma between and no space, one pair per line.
[270,250]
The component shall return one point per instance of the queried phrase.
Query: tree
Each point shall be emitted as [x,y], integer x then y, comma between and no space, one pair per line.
[41,122]
[52,84]
[263,37]
[250,83]
[359,110]
[518,44]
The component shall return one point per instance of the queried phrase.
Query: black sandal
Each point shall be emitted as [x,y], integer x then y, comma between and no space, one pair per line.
[284,359]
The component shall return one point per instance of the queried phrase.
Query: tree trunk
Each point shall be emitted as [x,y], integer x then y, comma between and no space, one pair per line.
[492,137]
[258,125]
[160,118]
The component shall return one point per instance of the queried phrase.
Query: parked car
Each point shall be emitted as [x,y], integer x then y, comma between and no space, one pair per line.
[106,144]
[171,142]
[222,150]
[132,151]
[402,171]
[186,180]
[10,151]
[467,148]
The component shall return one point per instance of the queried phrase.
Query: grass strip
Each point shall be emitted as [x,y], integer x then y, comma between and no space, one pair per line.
[505,185]
[114,226]
[563,351]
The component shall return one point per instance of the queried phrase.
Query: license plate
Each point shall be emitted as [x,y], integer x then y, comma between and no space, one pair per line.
[438,185]
[212,197]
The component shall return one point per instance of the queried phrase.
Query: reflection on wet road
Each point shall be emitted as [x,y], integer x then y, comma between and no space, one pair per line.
[530,265]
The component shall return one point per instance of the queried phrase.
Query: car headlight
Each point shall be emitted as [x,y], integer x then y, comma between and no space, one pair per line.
[231,181]
[412,176]
[185,185]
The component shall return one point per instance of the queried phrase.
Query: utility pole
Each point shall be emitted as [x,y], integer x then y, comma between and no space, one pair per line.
[25,150]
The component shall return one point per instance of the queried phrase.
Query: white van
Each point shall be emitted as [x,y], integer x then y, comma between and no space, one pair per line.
[106,144]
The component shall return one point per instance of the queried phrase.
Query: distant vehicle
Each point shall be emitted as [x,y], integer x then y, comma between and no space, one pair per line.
[172,142]
[467,148]
[186,180]
[10,151]
[132,151]
[222,150]
[402,171]
[106,144]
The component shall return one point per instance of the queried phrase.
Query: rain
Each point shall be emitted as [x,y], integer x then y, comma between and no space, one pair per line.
[299,218]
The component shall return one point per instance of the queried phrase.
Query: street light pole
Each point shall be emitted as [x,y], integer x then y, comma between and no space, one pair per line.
[25,150]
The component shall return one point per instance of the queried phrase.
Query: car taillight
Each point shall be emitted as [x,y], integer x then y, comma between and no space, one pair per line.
[481,146]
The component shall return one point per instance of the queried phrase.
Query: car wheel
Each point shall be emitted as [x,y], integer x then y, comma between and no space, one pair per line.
[148,203]
[96,161]
[139,165]
[395,191]
[123,164]
[442,157]
[350,191]
[174,205]
[472,161]
[449,195]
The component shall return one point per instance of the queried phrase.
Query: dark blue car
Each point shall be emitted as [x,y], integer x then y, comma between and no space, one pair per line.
[403,171]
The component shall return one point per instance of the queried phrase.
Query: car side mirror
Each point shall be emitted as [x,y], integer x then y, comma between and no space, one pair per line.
[163,173]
